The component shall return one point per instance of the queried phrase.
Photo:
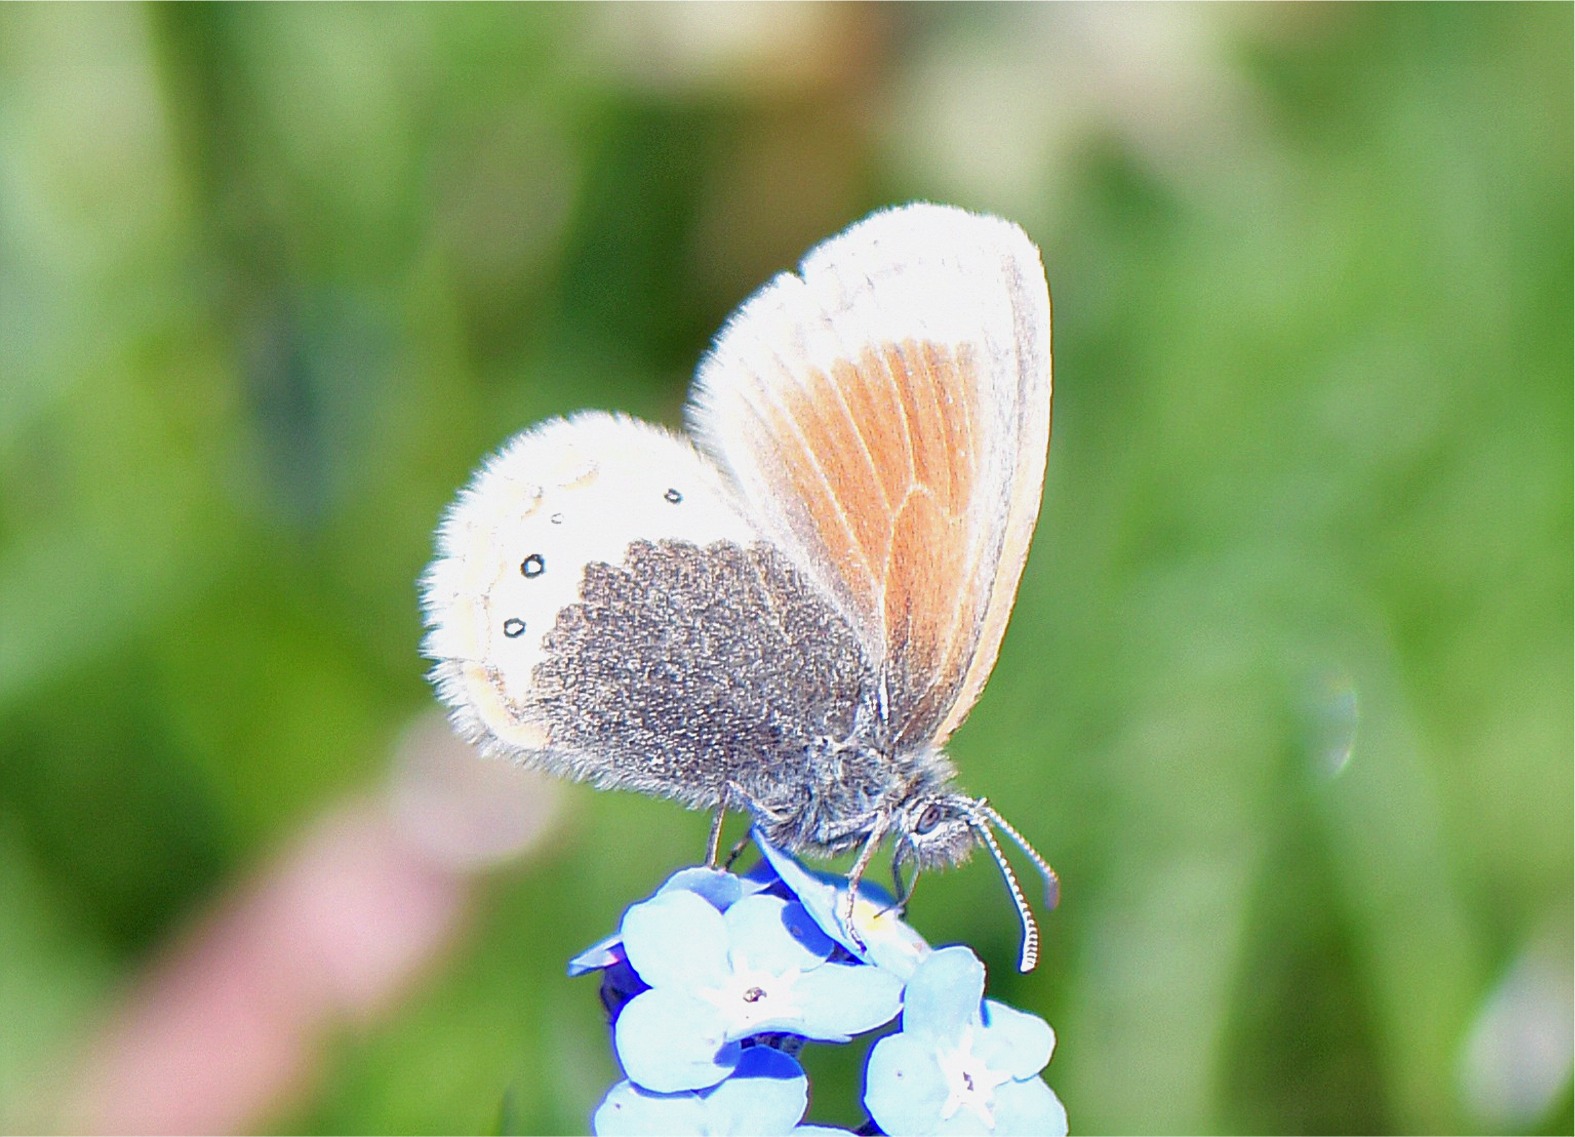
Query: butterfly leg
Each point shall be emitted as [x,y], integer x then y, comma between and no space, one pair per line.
[904,890]
[757,810]
[735,852]
[866,854]
[715,843]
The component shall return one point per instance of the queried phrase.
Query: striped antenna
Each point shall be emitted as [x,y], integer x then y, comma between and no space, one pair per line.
[1030,954]
[1052,882]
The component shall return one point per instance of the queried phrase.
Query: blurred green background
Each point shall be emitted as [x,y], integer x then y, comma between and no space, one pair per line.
[1287,696]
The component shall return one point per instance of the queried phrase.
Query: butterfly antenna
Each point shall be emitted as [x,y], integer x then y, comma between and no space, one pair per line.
[1030,954]
[1052,882]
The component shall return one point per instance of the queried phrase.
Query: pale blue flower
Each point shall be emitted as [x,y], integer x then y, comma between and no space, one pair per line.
[765,1096]
[961,1064]
[717,978]
[715,983]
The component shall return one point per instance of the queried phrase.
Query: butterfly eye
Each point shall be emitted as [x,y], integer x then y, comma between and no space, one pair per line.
[929,819]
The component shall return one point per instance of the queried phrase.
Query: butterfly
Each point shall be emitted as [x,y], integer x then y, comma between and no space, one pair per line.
[790,610]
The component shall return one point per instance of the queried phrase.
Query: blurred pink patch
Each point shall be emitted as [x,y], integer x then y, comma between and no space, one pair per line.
[224,1029]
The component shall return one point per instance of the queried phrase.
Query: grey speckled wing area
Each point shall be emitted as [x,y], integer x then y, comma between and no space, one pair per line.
[687,669]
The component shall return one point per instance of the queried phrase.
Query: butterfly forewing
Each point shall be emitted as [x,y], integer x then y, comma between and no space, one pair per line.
[885,415]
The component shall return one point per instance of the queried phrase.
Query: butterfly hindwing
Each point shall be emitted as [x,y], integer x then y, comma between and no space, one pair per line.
[514,552]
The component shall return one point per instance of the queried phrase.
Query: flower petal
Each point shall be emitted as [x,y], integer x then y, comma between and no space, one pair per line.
[620,984]
[668,1041]
[965,1123]
[1014,1042]
[629,1111]
[943,994]
[722,889]
[676,939]
[1029,1109]
[762,876]
[817,894]
[904,1089]
[766,1095]
[889,942]
[807,931]
[840,1000]
[603,953]
[766,933]
[893,945]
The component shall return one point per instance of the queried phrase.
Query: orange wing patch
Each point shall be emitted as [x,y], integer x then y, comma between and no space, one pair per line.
[885,469]
[930,630]
[884,417]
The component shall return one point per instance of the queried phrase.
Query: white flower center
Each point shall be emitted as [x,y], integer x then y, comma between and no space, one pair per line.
[749,997]
[970,1084]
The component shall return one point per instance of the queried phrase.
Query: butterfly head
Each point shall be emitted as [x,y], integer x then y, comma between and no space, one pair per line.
[937,827]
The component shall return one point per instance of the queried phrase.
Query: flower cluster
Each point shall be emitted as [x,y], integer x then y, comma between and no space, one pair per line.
[715,984]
